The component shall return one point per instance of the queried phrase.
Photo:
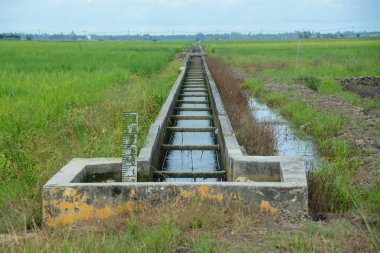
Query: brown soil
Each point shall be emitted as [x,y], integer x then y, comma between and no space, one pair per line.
[366,87]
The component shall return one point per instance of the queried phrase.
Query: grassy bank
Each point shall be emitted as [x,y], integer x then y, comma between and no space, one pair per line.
[257,138]
[315,64]
[299,79]
[60,100]
[195,226]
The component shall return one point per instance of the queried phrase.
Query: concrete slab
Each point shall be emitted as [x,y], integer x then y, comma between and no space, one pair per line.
[67,200]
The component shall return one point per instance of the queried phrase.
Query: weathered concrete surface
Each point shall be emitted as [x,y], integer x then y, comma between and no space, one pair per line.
[65,202]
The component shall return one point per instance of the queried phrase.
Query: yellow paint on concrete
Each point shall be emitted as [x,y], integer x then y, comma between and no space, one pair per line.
[265,206]
[104,212]
[234,196]
[204,192]
[54,202]
[130,206]
[69,192]
[188,194]
[133,193]
[73,208]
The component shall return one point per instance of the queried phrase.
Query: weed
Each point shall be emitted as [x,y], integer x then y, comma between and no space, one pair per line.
[275,99]
[255,85]
[310,81]
[339,236]
[204,244]
[258,139]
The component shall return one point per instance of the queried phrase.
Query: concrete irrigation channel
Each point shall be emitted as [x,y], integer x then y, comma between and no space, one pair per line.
[191,152]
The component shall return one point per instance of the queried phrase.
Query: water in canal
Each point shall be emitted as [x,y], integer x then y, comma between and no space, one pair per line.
[288,143]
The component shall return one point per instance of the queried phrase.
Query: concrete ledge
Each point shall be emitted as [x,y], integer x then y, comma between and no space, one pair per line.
[67,201]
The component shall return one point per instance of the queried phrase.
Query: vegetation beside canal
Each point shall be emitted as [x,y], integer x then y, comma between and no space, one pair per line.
[60,100]
[257,138]
[301,80]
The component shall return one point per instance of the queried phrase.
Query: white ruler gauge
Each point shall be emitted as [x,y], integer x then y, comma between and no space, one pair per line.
[129,166]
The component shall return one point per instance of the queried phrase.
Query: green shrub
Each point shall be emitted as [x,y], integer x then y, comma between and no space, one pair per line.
[254,84]
[311,82]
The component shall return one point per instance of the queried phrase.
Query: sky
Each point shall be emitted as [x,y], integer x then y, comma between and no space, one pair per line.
[187,16]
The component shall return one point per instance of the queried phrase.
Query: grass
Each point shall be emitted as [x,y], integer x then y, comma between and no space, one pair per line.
[60,100]
[316,64]
[182,225]
[317,237]
[292,58]
[257,138]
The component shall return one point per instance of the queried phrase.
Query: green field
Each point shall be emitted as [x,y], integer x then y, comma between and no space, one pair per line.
[60,100]
[293,58]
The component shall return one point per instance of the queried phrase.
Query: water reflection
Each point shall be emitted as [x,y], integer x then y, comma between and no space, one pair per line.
[288,143]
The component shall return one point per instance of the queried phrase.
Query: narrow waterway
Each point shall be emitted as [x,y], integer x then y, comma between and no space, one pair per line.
[288,143]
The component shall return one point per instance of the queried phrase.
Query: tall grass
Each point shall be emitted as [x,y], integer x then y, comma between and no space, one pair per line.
[60,100]
[257,138]
[332,187]
[180,225]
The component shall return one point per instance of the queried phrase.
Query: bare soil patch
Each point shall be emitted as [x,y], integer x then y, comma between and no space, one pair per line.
[366,87]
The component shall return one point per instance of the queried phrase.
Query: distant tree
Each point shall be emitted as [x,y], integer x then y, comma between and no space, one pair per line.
[358,35]
[29,37]
[10,36]
[303,34]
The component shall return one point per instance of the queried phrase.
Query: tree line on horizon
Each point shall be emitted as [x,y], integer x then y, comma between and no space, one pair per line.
[199,36]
